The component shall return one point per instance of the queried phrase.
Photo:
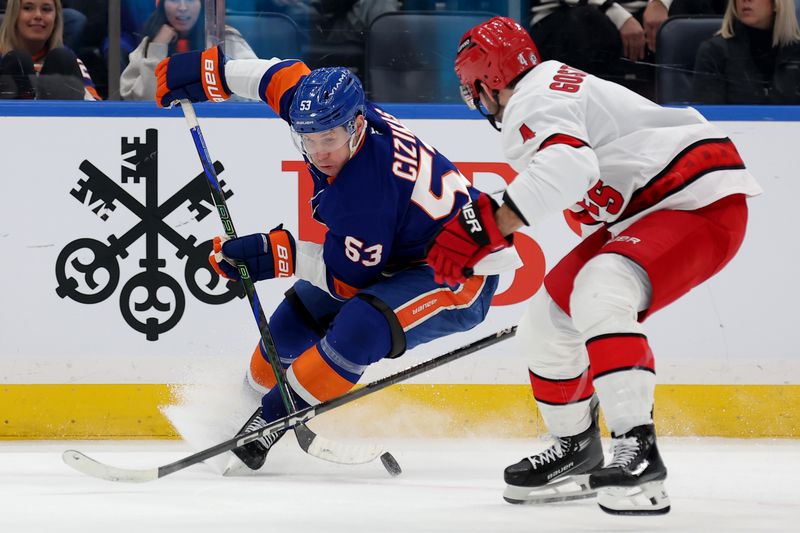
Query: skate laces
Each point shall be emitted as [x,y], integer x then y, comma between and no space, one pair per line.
[624,451]
[270,439]
[258,423]
[255,424]
[551,454]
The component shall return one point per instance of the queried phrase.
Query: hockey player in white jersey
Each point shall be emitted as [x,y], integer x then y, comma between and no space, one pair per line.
[661,197]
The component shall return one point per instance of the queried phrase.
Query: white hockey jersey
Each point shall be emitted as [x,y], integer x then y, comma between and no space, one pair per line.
[609,155]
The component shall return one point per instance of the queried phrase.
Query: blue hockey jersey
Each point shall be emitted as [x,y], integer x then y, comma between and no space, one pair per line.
[387,202]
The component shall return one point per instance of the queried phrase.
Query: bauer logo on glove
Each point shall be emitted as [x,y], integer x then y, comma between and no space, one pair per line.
[464,240]
[213,80]
[472,224]
[264,256]
[196,76]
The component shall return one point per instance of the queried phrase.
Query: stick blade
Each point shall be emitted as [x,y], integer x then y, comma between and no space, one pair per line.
[86,465]
[333,451]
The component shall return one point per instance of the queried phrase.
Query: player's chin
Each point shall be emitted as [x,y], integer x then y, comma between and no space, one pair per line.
[328,170]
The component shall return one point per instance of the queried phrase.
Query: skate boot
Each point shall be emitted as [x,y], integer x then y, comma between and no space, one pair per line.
[254,453]
[633,482]
[560,473]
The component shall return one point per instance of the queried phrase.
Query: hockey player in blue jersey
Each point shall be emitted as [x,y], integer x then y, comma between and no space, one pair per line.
[366,293]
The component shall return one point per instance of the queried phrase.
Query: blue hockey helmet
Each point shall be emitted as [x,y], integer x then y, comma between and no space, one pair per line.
[326,98]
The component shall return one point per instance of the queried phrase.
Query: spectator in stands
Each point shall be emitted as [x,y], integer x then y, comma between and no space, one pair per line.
[653,16]
[88,44]
[348,20]
[175,26]
[75,21]
[339,33]
[657,12]
[755,57]
[613,40]
[333,31]
[602,38]
[35,63]
[609,26]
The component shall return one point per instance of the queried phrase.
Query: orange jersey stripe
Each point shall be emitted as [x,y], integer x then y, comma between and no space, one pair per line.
[282,81]
[261,370]
[343,289]
[431,303]
[92,91]
[317,377]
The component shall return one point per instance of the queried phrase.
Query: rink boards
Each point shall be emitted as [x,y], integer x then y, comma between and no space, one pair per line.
[95,355]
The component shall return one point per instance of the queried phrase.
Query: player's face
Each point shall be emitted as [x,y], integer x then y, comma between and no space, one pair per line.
[757,14]
[35,23]
[330,150]
[182,14]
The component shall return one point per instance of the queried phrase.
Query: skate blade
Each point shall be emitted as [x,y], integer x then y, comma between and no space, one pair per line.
[236,468]
[567,489]
[646,499]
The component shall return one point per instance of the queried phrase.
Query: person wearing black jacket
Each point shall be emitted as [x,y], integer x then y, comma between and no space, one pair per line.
[755,57]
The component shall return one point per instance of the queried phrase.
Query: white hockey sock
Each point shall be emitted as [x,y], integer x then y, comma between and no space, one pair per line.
[626,398]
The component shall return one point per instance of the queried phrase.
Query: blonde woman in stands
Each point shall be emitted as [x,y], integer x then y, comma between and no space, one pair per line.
[34,63]
[754,58]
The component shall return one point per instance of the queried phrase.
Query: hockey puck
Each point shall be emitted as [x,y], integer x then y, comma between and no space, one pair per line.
[391,465]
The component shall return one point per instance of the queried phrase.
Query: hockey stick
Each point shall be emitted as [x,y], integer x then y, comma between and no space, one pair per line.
[310,442]
[86,465]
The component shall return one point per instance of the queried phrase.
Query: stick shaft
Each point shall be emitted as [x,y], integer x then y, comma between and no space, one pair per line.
[267,343]
[308,413]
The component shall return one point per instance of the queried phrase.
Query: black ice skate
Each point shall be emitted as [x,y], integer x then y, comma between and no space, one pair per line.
[633,482]
[254,454]
[560,473]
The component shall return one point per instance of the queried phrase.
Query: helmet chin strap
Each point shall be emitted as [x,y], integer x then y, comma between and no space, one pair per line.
[475,103]
[489,116]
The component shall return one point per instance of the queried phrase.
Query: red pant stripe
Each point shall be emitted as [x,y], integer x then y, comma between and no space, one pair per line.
[612,353]
[561,391]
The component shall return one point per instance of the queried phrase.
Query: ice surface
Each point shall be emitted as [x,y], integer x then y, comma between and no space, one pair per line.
[447,485]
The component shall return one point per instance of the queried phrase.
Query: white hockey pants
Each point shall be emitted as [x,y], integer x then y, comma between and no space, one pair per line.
[608,293]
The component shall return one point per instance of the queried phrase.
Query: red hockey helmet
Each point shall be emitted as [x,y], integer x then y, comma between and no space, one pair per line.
[493,53]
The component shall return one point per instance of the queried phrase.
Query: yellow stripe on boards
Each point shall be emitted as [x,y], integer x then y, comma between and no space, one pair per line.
[499,411]
[84,411]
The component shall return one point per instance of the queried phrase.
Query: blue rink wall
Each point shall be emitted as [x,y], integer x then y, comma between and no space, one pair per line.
[85,352]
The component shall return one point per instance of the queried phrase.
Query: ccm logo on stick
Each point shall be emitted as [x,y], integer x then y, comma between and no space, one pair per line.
[212,81]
